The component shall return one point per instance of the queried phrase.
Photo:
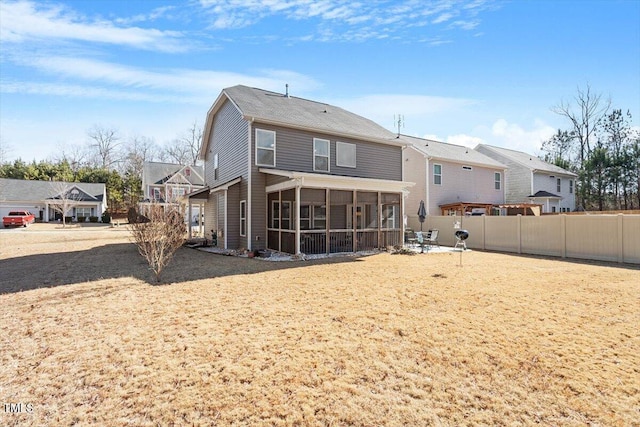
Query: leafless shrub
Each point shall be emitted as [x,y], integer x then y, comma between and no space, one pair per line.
[159,238]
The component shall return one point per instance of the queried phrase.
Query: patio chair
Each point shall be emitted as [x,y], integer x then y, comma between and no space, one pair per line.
[431,239]
[410,238]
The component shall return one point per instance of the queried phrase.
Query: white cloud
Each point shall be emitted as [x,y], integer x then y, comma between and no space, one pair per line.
[118,81]
[514,136]
[26,21]
[381,108]
[380,15]
[465,140]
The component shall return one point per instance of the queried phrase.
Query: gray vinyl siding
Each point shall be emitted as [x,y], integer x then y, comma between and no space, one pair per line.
[294,152]
[229,138]
[229,141]
[209,216]
[234,240]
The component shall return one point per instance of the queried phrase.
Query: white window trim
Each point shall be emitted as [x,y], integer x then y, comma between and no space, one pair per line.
[434,174]
[497,181]
[558,185]
[275,203]
[570,186]
[328,156]
[262,148]
[344,145]
[243,217]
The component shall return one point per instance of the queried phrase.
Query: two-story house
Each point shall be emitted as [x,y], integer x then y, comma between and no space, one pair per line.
[450,179]
[169,182]
[299,176]
[532,180]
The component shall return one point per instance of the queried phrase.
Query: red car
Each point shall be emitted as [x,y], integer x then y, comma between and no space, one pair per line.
[18,219]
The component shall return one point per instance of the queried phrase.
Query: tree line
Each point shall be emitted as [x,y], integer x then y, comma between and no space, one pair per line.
[110,159]
[602,147]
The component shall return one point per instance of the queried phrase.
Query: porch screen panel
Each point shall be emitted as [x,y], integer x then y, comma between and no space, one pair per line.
[340,200]
[367,210]
[312,195]
[287,210]
[391,211]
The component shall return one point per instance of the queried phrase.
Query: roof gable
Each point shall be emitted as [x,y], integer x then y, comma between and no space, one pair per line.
[157,173]
[264,106]
[527,160]
[451,152]
[39,191]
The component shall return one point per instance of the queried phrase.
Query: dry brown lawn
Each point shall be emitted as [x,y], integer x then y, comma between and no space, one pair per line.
[389,340]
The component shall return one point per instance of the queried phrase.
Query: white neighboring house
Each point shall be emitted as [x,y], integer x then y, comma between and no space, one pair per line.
[450,178]
[169,183]
[38,197]
[532,180]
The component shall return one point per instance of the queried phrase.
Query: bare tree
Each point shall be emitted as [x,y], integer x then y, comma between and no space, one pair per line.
[66,195]
[160,237]
[589,110]
[140,149]
[5,149]
[105,144]
[184,150]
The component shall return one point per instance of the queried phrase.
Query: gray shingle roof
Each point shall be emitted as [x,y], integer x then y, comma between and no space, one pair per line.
[543,193]
[451,152]
[266,106]
[38,191]
[530,161]
[159,173]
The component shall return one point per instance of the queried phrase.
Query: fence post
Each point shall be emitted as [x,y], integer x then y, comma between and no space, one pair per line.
[620,238]
[563,235]
[484,232]
[519,233]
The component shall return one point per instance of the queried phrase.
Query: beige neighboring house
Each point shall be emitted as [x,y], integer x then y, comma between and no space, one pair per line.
[532,180]
[168,183]
[39,197]
[450,179]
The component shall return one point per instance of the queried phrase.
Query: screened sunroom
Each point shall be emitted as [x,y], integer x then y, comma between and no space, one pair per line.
[348,216]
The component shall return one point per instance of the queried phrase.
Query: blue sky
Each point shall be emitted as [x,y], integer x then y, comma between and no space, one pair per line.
[460,71]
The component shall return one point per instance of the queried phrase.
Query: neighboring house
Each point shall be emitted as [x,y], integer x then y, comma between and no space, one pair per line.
[531,180]
[298,176]
[169,182]
[450,179]
[39,197]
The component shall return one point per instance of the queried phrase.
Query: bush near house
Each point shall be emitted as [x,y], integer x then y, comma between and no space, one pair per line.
[93,219]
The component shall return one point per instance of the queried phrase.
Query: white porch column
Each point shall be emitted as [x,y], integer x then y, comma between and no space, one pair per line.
[189,219]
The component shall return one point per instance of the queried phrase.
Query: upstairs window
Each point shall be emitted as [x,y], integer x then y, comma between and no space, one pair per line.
[498,180]
[570,186]
[265,147]
[320,155]
[345,155]
[437,174]
[215,166]
[558,185]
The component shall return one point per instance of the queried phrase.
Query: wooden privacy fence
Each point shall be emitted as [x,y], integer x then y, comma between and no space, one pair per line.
[595,237]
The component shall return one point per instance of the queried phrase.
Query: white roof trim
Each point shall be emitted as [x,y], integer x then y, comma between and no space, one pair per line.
[225,186]
[314,180]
